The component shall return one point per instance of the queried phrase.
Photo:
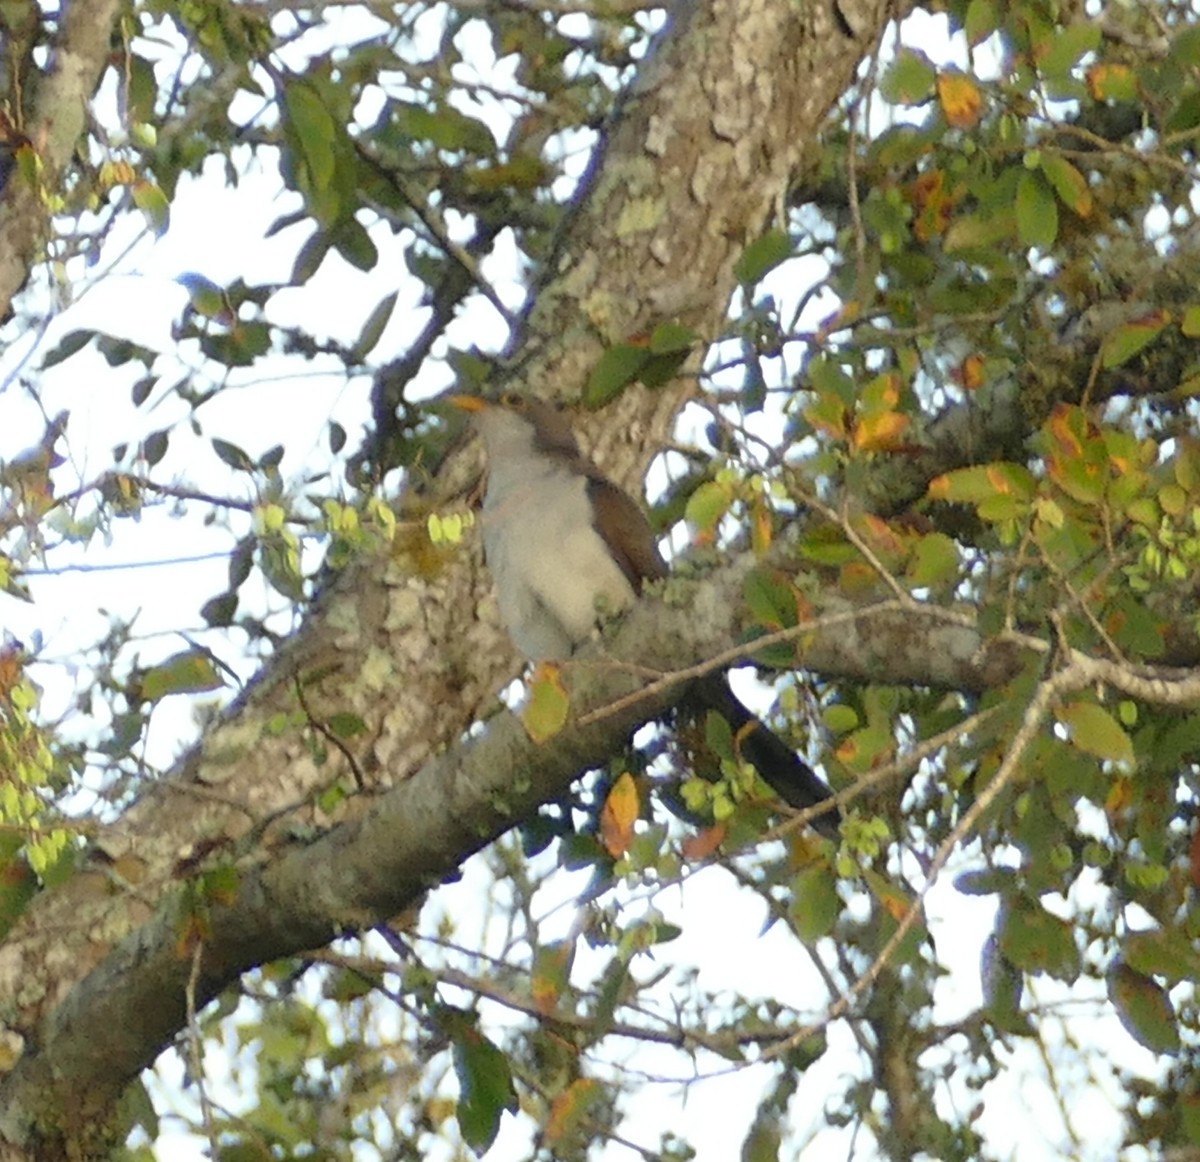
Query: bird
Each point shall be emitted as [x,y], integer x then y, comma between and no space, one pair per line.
[567,546]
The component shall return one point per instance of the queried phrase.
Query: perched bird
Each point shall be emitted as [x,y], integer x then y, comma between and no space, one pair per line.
[566,545]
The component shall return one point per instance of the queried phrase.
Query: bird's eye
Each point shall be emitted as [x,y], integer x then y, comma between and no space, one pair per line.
[511,399]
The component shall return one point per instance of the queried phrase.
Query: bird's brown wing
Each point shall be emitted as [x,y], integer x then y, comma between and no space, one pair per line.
[619,519]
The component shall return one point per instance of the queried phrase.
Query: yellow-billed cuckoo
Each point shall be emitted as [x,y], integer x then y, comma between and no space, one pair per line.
[565,545]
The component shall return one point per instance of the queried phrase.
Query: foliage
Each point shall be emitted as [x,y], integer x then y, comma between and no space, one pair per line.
[979,410]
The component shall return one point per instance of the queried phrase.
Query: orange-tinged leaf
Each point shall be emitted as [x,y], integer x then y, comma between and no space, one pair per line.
[705,843]
[569,1109]
[932,205]
[982,482]
[1112,82]
[1119,798]
[881,394]
[546,712]
[882,536]
[551,973]
[827,414]
[1096,732]
[879,431]
[190,672]
[620,813]
[1069,184]
[762,526]
[857,577]
[970,374]
[705,508]
[961,100]
[895,901]
[1126,341]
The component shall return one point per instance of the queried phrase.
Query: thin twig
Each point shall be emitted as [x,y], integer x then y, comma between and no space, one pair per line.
[196,1051]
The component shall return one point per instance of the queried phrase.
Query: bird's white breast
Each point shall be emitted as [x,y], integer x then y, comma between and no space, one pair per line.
[554,573]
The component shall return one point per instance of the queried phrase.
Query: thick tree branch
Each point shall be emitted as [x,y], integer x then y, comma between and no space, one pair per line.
[58,118]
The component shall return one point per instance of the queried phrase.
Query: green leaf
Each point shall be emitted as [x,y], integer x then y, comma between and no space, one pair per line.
[1190,324]
[1096,732]
[1037,211]
[312,132]
[1144,1009]
[985,882]
[981,21]
[232,455]
[815,904]
[154,446]
[1068,46]
[910,79]
[935,561]
[770,598]
[669,338]
[1069,184]
[706,506]
[1126,341]
[840,718]
[351,240]
[570,1109]
[718,736]
[310,256]
[444,127]
[1165,952]
[18,885]
[191,672]
[345,724]
[271,458]
[549,704]
[894,904]
[614,371]
[374,327]
[153,203]
[762,256]
[1034,941]
[984,482]
[485,1088]
[219,610]
[67,346]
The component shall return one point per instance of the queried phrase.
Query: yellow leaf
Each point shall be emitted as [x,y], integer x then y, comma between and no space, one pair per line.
[880,431]
[961,101]
[546,713]
[620,813]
